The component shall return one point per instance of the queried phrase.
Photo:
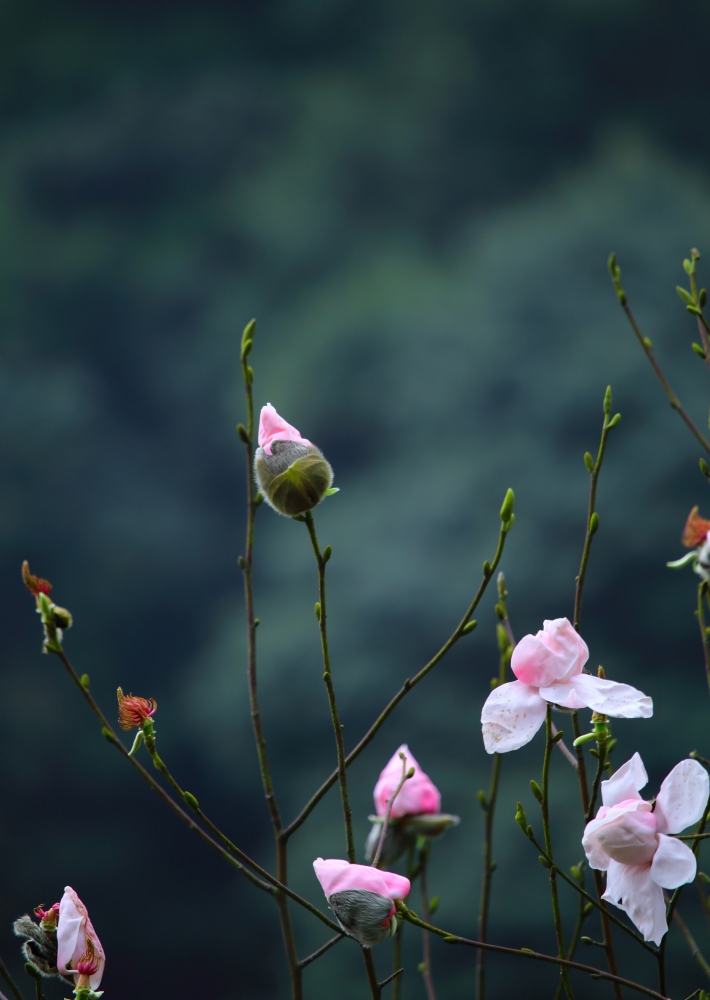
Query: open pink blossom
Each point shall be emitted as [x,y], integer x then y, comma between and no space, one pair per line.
[549,670]
[79,951]
[336,875]
[417,795]
[628,839]
[272,428]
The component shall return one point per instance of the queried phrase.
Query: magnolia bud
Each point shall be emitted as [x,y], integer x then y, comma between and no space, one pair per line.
[291,473]
[396,843]
[363,914]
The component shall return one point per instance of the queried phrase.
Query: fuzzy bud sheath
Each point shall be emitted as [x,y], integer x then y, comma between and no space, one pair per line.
[291,473]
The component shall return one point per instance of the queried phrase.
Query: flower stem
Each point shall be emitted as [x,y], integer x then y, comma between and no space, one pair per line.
[489,569]
[694,950]
[705,639]
[426,941]
[321,951]
[583,912]
[12,985]
[374,983]
[536,956]
[246,564]
[557,917]
[328,678]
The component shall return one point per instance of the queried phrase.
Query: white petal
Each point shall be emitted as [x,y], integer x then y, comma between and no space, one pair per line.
[683,797]
[511,716]
[631,888]
[673,864]
[563,694]
[621,701]
[625,783]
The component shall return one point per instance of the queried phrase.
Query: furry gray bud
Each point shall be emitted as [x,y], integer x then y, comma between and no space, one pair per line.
[429,824]
[396,843]
[38,948]
[363,914]
[294,478]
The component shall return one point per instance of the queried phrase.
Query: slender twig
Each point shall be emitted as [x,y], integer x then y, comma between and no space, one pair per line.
[426,941]
[527,953]
[583,911]
[388,812]
[694,950]
[506,643]
[12,985]
[328,678]
[592,516]
[544,805]
[602,744]
[648,350]
[392,977]
[372,979]
[409,684]
[321,951]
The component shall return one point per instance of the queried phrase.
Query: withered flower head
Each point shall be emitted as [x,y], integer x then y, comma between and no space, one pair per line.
[133,711]
[48,918]
[35,584]
[695,531]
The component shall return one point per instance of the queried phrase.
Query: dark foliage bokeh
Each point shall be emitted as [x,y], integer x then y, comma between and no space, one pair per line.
[416,200]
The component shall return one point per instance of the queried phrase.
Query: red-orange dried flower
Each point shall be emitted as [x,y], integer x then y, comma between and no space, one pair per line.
[133,711]
[35,584]
[695,531]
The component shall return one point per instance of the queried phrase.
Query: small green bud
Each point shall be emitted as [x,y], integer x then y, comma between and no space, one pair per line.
[421,968]
[108,735]
[614,421]
[589,462]
[242,432]
[611,744]
[543,861]
[248,338]
[502,636]
[250,374]
[594,752]
[520,818]
[587,940]
[704,877]
[493,865]
[688,266]
[494,682]
[607,401]
[703,297]
[614,269]
[536,790]
[240,562]
[686,297]
[85,681]
[294,478]
[558,736]
[62,617]
[469,627]
[648,343]
[694,253]
[500,611]
[693,309]
[500,583]
[527,951]
[704,468]
[575,872]
[327,553]
[506,511]
[486,569]
[191,800]
[434,905]
[317,610]
[700,351]
[594,523]
[481,796]
[257,622]
[587,909]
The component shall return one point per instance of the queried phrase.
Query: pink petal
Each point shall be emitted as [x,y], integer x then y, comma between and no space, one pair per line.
[511,716]
[632,889]
[563,694]
[73,929]
[683,797]
[620,701]
[336,875]
[625,783]
[625,832]
[674,863]
[272,428]
[418,795]
[553,654]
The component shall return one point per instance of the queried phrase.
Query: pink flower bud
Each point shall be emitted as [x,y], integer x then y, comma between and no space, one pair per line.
[417,795]
[79,951]
[362,898]
[291,473]
[554,654]
[627,833]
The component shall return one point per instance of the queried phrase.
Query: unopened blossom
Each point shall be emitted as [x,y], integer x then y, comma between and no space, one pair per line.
[133,711]
[696,536]
[291,473]
[415,810]
[629,840]
[362,898]
[79,951]
[548,667]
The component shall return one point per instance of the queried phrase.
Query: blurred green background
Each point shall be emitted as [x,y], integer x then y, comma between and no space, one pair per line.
[416,200]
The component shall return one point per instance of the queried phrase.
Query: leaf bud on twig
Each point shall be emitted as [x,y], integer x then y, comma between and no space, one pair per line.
[191,801]
[536,790]
[469,627]
[248,339]
[327,553]
[481,796]
[614,421]
[607,401]
[594,523]
[242,432]
[685,296]
[290,471]
[486,569]
[506,510]
[520,818]
[700,351]
[589,462]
